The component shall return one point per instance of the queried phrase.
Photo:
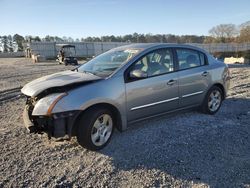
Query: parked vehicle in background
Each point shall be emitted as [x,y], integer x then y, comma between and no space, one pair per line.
[67,54]
[124,85]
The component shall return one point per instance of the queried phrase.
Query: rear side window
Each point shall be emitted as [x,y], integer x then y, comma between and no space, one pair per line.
[202,59]
[190,58]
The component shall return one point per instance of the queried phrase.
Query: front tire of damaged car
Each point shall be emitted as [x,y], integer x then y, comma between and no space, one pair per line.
[95,128]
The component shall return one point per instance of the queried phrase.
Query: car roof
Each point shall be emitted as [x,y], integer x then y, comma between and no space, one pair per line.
[145,46]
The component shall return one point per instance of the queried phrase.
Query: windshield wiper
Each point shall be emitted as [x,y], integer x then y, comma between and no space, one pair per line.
[87,72]
[75,69]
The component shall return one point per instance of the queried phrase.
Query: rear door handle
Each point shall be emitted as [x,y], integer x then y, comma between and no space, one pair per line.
[171,82]
[205,73]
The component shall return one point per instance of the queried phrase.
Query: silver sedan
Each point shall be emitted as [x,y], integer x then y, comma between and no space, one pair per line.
[122,86]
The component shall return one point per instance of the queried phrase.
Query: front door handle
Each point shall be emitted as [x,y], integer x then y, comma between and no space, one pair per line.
[171,82]
[205,73]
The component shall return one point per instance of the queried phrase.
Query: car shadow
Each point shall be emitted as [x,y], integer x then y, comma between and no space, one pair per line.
[193,147]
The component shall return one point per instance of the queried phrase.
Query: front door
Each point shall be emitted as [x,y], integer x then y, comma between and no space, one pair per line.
[158,92]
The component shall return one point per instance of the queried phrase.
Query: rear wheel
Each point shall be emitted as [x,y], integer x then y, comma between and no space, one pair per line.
[213,100]
[95,129]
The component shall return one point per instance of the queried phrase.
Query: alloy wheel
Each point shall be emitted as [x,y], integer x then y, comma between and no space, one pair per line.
[214,100]
[102,130]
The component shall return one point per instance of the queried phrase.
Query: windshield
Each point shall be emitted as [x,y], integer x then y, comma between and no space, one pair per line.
[106,63]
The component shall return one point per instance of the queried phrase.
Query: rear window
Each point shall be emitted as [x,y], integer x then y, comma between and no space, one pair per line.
[190,58]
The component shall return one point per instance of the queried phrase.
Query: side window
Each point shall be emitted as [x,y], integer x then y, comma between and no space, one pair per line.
[156,63]
[189,58]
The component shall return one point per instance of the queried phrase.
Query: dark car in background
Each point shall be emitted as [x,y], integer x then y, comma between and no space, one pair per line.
[67,54]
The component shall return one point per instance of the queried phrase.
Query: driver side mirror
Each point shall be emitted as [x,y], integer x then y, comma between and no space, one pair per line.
[138,74]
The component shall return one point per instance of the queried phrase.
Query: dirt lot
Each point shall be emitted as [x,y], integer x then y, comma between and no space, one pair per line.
[182,150]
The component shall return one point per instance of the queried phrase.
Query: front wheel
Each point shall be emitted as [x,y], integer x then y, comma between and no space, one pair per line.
[212,101]
[95,129]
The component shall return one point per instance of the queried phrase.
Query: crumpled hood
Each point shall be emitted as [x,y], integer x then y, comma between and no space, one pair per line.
[60,79]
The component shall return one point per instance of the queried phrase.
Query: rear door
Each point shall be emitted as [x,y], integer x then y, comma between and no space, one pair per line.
[158,92]
[194,76]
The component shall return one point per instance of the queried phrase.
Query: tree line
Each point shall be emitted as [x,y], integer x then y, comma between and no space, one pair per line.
[223,33]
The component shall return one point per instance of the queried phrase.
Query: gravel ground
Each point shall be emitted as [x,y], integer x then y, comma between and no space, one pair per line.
[182,150]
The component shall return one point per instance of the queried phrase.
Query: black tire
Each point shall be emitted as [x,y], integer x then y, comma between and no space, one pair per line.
[65,62]
[85,128]
[206,108]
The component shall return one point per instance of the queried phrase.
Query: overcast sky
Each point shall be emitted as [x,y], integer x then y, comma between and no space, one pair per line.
[82,18]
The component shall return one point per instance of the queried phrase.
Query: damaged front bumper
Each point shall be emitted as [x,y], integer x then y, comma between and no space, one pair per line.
[57,125]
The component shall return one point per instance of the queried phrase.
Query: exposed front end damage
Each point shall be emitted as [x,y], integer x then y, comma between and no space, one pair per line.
[43,94]
[55,125]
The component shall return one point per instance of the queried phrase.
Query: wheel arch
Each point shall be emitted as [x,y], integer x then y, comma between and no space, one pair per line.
[219,85]
[203,107]
[114,110]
